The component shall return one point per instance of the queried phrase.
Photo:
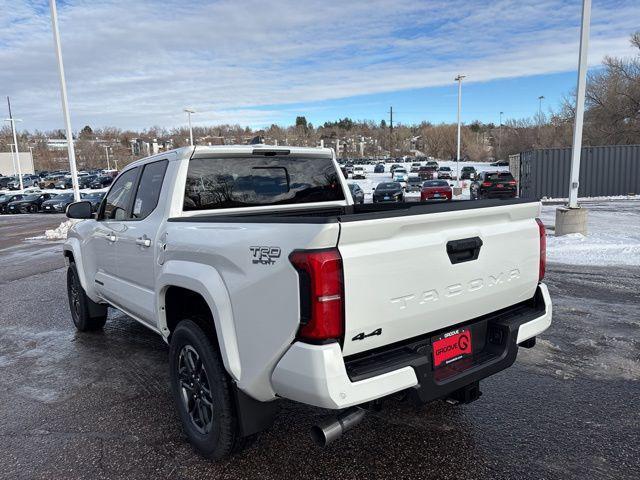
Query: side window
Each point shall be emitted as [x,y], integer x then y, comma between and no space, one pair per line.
[119,196]
[149,189]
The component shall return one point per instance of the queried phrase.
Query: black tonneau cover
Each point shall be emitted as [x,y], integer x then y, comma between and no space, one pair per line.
[368,211]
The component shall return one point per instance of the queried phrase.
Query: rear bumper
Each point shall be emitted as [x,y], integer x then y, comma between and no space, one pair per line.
[499,193]
[319,375]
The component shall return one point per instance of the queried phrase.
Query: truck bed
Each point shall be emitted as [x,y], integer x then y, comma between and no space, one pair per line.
[408,269]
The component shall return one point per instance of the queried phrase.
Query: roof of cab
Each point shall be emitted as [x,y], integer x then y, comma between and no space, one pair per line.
[202,151]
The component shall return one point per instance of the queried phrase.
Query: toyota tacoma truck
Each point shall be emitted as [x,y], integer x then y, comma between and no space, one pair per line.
[267,282]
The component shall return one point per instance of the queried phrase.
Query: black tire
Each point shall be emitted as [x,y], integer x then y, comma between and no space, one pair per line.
[220,436]
[85,313]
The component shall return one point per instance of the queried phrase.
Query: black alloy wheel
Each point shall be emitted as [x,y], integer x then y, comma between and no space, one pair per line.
[195,391]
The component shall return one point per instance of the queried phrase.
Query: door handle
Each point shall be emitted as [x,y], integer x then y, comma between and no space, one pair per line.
[111,237]
[143,241]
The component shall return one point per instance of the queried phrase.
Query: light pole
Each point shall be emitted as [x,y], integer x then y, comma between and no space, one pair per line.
[189,111]
[572,218]
[106,151]
[13,161]
[582,82]
[540,98]
[500,135]
[459,80]
[65,106]
[16,152]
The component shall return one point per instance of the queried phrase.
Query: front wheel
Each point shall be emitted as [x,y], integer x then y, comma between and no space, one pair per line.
[201,390]
[86,314]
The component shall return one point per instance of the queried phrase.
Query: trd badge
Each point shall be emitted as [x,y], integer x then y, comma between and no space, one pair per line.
[264,255]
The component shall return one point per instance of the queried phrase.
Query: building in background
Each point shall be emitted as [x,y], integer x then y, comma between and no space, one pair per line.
[7,166]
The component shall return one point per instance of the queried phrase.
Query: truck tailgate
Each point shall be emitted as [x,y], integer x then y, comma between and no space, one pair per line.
[401,281]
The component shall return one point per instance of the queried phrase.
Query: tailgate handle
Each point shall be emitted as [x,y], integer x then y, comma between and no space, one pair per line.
[464,250]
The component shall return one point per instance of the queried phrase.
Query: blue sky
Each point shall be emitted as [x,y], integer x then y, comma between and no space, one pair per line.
[515,97]
[257,62]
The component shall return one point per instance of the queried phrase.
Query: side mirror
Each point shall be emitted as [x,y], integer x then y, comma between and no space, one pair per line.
[80,210]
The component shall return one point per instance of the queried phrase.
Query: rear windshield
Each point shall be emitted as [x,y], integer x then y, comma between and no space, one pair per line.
[502,176]
[435,183]
[214,183]
[389,186]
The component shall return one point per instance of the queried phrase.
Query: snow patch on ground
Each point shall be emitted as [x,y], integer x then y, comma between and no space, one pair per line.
[613,236]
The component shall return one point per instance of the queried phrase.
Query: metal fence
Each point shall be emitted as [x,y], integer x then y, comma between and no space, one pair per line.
[604,171]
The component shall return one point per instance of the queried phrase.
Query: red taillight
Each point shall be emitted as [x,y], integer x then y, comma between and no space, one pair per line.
[321,294]
[543,249]
[486,184]
[512,182]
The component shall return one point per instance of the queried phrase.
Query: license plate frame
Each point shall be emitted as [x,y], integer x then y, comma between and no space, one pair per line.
[451,346]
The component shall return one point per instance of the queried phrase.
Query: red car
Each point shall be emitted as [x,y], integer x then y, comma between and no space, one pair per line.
[435,190]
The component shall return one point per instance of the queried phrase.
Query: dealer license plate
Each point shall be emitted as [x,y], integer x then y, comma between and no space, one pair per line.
[451,346]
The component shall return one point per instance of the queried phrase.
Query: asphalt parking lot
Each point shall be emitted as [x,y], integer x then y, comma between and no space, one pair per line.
[98,406]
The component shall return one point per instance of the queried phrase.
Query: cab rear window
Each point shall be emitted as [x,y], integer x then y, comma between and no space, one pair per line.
[236,182]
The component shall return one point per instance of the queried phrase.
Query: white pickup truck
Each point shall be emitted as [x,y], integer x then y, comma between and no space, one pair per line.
[267,282]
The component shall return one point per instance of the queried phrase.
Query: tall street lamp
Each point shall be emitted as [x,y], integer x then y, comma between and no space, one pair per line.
[572,218]
[459,80]
[500,135]
[189,111]
[540,98]
[106,151]
[15,151]
[65,105]
[582,82]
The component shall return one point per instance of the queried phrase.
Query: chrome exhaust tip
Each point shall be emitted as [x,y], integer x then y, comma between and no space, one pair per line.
[332,428]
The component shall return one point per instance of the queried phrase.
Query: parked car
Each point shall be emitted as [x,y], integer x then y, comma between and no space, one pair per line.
[7,199]
[356,193]
[29,203]
[57,204]
[27,181]
[86,180]
[50,180]
[414,183]
[359,172]
[415,167]
[110,173]
[315,302]
[436,190]
[494,185]
[433,164]
[95,198]
[444,173]
[102,181]
[388,192]
[393,168]
[500,163]
[427,172]
[349,167]
[400,175]
[468,173]
[379,168]
[64,184]
[4,182]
